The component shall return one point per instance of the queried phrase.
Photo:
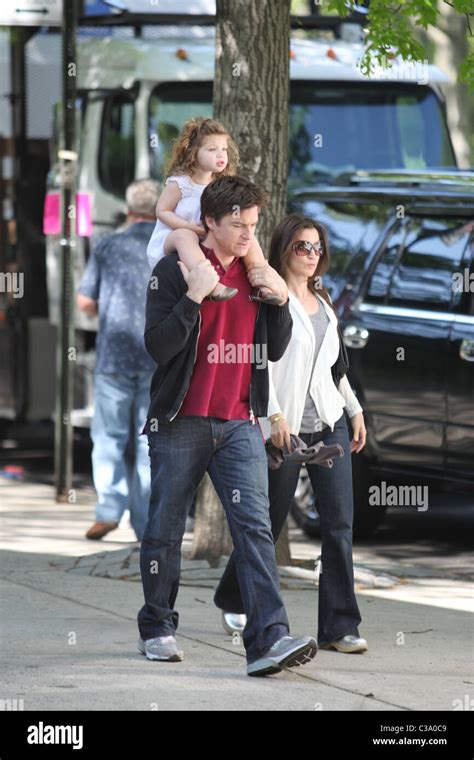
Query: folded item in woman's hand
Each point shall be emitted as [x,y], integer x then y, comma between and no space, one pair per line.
[300,453]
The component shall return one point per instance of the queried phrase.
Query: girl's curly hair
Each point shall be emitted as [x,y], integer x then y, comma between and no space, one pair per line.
[184,156]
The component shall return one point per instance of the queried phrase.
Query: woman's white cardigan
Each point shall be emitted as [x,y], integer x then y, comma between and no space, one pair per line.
[291,376]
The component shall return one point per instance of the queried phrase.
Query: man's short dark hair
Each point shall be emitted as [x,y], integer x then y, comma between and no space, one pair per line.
[230,195]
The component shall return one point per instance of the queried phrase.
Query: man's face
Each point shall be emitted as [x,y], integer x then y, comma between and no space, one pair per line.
[234,233]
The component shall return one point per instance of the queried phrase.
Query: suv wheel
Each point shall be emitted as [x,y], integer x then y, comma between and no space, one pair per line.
[367,517]
[303,508]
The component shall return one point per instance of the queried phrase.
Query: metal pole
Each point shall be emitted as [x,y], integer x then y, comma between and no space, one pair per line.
[19,38]
[65,347]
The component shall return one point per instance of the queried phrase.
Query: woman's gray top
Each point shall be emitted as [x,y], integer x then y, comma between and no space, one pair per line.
[310,421]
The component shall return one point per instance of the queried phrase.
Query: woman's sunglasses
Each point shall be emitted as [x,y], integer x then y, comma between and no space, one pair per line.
[304,248]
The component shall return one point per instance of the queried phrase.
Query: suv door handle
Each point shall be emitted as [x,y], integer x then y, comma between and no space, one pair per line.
[356,337]
[466,350]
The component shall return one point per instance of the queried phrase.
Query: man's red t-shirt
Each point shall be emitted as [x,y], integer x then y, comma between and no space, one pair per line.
[220,383]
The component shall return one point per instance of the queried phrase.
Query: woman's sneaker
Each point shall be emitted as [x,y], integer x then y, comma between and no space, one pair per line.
[347,644]
[233,622]
[164,648]
[287,652]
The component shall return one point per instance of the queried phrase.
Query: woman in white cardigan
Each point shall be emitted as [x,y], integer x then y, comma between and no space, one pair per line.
[309,391]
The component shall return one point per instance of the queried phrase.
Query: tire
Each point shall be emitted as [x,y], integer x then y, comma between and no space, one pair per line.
[303,508]
[367,518]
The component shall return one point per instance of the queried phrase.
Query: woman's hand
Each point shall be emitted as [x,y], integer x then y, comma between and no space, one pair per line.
[280,433]
[359,433]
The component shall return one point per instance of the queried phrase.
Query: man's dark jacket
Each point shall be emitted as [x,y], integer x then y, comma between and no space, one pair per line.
[171,334]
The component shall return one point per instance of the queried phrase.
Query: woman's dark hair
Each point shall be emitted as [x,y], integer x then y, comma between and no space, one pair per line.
[280,249]
[230,195]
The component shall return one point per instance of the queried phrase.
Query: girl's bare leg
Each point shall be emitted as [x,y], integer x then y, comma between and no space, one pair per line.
[186,243]
[255,258]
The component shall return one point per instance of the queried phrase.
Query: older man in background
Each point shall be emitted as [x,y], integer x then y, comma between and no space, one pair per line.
[114,285]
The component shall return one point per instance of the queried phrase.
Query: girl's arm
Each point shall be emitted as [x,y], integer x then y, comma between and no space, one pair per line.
[166,205]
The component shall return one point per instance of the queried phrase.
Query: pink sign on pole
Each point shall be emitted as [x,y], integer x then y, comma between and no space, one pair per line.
[84,215]
[52,218]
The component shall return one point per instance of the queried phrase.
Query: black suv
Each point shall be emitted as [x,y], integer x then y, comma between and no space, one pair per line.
[402,280]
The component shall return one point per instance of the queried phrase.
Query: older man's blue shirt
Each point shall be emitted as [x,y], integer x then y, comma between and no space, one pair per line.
[117,275]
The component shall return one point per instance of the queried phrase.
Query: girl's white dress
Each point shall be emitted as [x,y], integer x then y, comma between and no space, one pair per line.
[189,208]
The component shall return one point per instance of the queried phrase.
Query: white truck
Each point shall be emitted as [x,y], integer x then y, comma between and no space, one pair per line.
[136,93]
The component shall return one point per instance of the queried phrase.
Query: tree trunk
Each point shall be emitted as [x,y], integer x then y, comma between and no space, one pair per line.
[450,48]
[283,549]
[251,94]
[211,534]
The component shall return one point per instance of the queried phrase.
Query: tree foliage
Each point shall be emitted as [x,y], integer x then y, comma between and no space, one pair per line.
[392,29]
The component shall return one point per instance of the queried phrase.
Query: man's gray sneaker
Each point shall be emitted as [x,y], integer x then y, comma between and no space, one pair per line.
[164,648]
[287,652]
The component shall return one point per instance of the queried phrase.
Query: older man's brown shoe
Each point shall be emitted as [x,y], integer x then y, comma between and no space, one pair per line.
[99,530]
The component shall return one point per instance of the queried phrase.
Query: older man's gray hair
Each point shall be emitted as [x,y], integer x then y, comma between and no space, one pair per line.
[142,197]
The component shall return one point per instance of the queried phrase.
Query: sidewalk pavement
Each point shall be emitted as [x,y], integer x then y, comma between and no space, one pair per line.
[69,626]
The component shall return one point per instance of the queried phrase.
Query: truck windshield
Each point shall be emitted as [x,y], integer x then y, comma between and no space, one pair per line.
[334,127]
[170,106]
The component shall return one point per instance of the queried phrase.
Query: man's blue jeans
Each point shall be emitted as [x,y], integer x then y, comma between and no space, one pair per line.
[120,405]
[233,453]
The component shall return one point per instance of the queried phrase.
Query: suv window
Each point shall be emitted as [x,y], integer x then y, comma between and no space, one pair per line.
[117,144]
[379,283]
[417,266]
